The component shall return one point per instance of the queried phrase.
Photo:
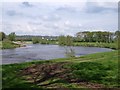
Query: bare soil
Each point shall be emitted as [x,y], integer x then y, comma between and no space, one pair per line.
[39,73]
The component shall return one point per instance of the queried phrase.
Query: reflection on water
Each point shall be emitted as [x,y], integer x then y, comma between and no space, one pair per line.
[43,52]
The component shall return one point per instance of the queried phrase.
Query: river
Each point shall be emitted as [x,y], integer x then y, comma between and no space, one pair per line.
[43,52]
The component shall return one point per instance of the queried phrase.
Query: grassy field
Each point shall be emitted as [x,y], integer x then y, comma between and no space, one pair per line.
[8,45]
[95,44]
[98,70]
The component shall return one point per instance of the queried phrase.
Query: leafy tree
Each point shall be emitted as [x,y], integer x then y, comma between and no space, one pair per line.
[35,40]
[44,41]
[12,36]
[85,36]
[111,37]
[2,36]
[90,36]
[117,39]
[61,40]
[79,37]
[69,41]
[117,34]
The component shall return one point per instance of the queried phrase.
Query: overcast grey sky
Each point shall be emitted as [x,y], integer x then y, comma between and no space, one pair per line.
[58,18]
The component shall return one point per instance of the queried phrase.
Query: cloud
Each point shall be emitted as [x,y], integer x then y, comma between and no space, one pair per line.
[35,23]
[72,25]
[66,9]
[51,17]
[95,7]
[58,18]
[27,4]
[13,13]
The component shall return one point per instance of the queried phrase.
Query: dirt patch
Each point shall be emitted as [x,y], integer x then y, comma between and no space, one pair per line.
[40,73]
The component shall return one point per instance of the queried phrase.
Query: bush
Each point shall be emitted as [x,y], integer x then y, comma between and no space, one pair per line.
[8,45]
[35,40]
[65,40]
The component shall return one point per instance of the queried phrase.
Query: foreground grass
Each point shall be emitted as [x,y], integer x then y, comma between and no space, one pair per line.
[88,71]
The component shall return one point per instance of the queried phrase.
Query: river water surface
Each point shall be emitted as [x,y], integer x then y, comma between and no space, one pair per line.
[43,52]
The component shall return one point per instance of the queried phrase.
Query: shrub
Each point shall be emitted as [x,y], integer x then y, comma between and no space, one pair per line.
[35,40]
[8,45]
[70,53]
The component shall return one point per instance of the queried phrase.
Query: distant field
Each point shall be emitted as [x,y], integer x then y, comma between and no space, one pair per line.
[89,44]
[95,44]
[98,70]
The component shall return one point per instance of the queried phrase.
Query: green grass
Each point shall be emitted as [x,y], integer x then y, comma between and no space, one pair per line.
[95,44]
[8,45]
[100,68]
[90,44]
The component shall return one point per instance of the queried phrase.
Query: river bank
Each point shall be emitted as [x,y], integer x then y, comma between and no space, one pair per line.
[98,70]
[10,45]
[96,44]
[90,44]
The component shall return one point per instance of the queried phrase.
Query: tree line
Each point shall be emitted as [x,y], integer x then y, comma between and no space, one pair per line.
[31,37]
[86,36]
[10,37]
[98,36]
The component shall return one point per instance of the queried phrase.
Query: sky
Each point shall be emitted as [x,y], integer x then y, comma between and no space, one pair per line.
[53,17]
